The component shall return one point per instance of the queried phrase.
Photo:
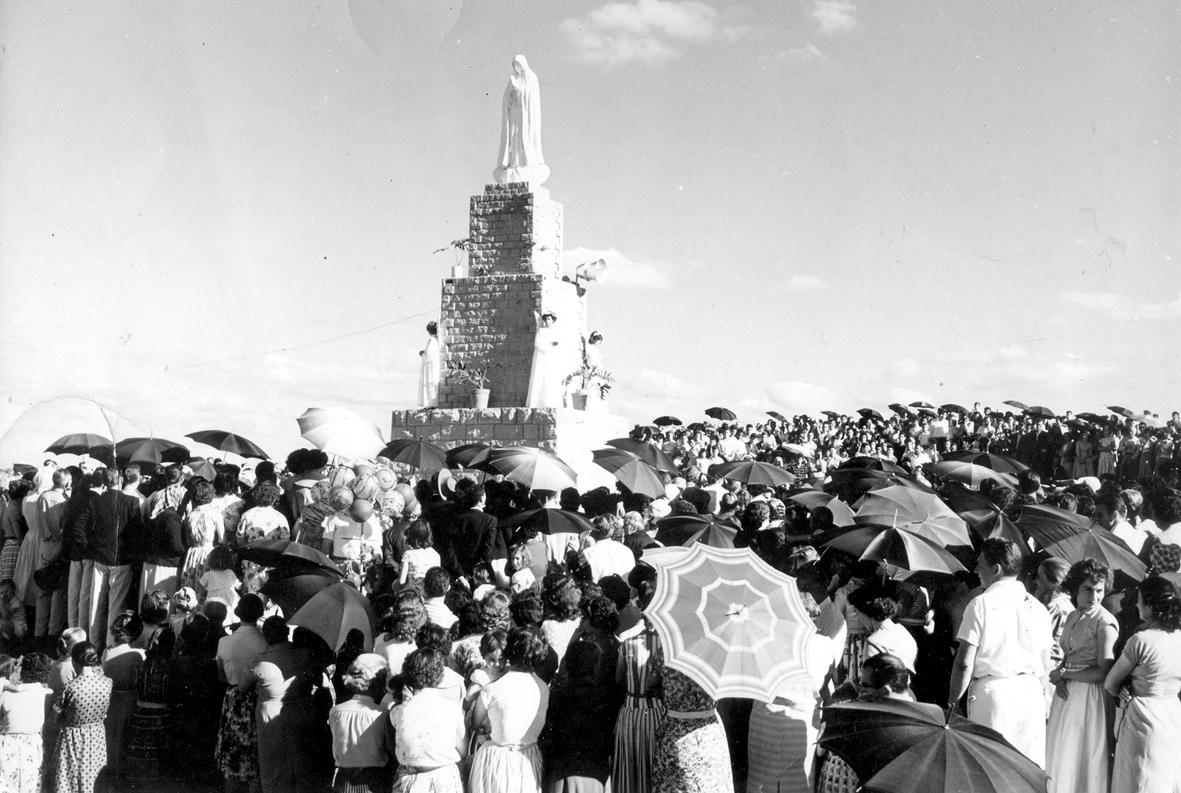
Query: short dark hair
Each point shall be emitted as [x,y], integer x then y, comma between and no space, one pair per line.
[1087,571]
[127,627]
[527,608]
[525,648]
[1003,552]
[614,587]
[582,659]
[249,608]
[435,637]
[153,606]
[436,582]
[84,654]
[875,602]
[1163,601]
[423,668]
[887,671]
[274,630]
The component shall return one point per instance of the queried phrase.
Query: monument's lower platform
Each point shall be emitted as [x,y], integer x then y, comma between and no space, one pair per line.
[570,434]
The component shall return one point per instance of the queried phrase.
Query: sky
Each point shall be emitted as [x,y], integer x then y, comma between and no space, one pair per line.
[216,215]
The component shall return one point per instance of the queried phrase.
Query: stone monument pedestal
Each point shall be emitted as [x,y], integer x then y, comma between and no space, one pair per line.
[570,434]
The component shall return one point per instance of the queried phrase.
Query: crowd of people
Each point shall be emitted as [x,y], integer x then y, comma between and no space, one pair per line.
[140,649]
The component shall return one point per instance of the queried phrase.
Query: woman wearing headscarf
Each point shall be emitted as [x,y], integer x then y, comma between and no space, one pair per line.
[520,134]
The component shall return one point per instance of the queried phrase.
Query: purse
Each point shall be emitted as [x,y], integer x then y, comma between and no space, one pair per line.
[52,576]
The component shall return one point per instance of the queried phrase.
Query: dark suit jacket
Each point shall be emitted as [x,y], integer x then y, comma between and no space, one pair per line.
[475,538]
[114,529]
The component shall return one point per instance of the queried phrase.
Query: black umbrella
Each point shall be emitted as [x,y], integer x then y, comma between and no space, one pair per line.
[873,464]
[465,455]
[900,409]
[832,414]
[667,421]
[648,452]
[1094,418]
[870,413]
[630,471]
[81,443]
[1122,411]
[893,746]
[550,521]
[952,407]
[689,529]
[921,404]
[753,472]
[1013,403]
[150,450]
[997,462]
[416,453]
[225,441]
[721,414]
[286,554]
[1040,411]
[291,588]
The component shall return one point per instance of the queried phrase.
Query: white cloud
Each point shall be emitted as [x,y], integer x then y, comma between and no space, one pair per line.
[622,271]
[834,16]
[802,283]
[808,52]
[664,386]
[643,31]
[1118,306]
[800,397]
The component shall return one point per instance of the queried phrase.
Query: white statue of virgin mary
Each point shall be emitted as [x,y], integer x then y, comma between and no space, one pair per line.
[521,159]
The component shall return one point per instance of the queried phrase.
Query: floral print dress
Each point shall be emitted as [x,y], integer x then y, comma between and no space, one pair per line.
[692,755]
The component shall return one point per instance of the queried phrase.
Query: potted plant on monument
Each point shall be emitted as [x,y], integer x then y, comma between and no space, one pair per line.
[474,371]
[590,380]
[463,252]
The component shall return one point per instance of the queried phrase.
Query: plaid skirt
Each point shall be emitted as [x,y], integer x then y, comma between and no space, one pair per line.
[147,740]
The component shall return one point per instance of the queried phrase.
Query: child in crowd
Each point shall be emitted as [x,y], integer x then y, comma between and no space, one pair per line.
[520,562]
[482,581]
[420,553]
[220,581]
[181,608]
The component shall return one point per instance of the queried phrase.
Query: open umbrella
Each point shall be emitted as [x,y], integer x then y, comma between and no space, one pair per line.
[1152,422]
[923,513]
[465,455]
[873,463]
[648,452]
[1097,543]
[962,499]
[286,554]
[870,413]
[832,414]
[536,469]
[689,529]
[990,523]
[630,471]
[900,409]
[721,414]
[225,441]
[730,622]
[968,473]
[1122,411]
[81,443]
[922,405]
[753,472]
[550,521]
[333,612]
[901,550]
[202,468]
[777,416]
[952,407]
[1094,418]
[290,588]
[1046,525]
[997,462]
[1040,411]
[416,453]
[1013,403]
[150,450]
[341,432]
[667,421]
[896,746]
[842,513]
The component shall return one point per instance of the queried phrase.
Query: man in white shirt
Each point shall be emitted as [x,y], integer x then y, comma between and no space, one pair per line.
[730,447]
[1112,514]
[435,586]
[1003,662]
[608,556]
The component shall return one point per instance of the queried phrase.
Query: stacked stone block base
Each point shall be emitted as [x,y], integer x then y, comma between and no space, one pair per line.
[570,434]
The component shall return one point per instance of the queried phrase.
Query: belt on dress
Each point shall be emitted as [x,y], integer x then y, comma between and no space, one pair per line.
[515,747]
[690,714]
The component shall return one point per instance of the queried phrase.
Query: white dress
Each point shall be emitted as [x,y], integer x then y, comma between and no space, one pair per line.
[545,377]
[510,762]
[428,374]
